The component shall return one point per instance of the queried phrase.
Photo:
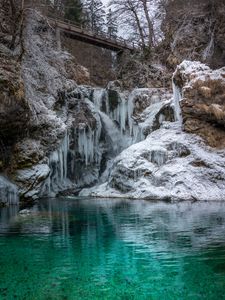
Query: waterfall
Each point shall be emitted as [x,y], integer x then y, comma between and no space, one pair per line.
[176,101]
[114,137]
[98,97]
[8,192]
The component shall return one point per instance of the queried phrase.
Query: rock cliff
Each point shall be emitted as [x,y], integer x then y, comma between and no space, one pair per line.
[194,30]
[203,101]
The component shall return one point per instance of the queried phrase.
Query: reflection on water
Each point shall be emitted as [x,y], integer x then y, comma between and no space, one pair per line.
[113,249]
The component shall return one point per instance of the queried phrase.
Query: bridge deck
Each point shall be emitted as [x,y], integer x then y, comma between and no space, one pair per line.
[97,39]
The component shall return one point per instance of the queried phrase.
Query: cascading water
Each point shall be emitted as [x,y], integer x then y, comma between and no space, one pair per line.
[8,192]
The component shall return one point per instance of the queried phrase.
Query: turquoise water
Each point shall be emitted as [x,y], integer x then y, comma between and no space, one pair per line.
[113,249]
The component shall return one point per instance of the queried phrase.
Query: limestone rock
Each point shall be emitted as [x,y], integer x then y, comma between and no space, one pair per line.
[26,153]
[30,180]
[203,103]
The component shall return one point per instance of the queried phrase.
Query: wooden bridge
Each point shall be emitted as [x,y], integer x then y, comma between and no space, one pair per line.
[100,39]
[77,31]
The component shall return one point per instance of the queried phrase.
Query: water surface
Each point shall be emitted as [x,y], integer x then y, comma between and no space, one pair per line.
[113,249]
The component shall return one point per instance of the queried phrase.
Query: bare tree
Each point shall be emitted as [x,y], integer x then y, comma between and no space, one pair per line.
[128,12]
[146,7]
[95,14]
[139,15]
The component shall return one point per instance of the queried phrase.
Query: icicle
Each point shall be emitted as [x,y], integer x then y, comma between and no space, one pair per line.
[130,111]
[8,192]
[88,144]
[57,162]
[176,100]
[123,114]
[98,97]
[208,52]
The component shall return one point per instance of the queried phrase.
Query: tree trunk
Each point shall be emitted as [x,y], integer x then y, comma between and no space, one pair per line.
[13,24]
[151,38]
[139,27]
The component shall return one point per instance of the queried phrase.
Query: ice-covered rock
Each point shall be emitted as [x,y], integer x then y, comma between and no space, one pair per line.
[203,101]
[169,165]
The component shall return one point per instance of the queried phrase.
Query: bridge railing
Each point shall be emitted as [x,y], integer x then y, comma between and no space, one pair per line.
[99,34]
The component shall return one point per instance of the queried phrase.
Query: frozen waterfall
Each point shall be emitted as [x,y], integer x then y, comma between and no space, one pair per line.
[114,121]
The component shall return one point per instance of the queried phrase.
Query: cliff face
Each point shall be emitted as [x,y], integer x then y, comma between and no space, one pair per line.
[35,109]
[203,101]
[194,30]
[13,103]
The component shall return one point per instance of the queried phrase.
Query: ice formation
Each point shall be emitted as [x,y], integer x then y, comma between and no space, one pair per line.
[113,135]
[176,101]
[169,164]
[86,153]
[208,52]
[8,191]
[58,162]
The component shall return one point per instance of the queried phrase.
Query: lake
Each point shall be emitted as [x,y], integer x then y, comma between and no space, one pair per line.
[113,249]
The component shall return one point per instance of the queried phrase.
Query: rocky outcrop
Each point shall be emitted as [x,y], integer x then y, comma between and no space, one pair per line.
[13,103]
[76,72]
[168,165]
[38,103]
[203,101]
